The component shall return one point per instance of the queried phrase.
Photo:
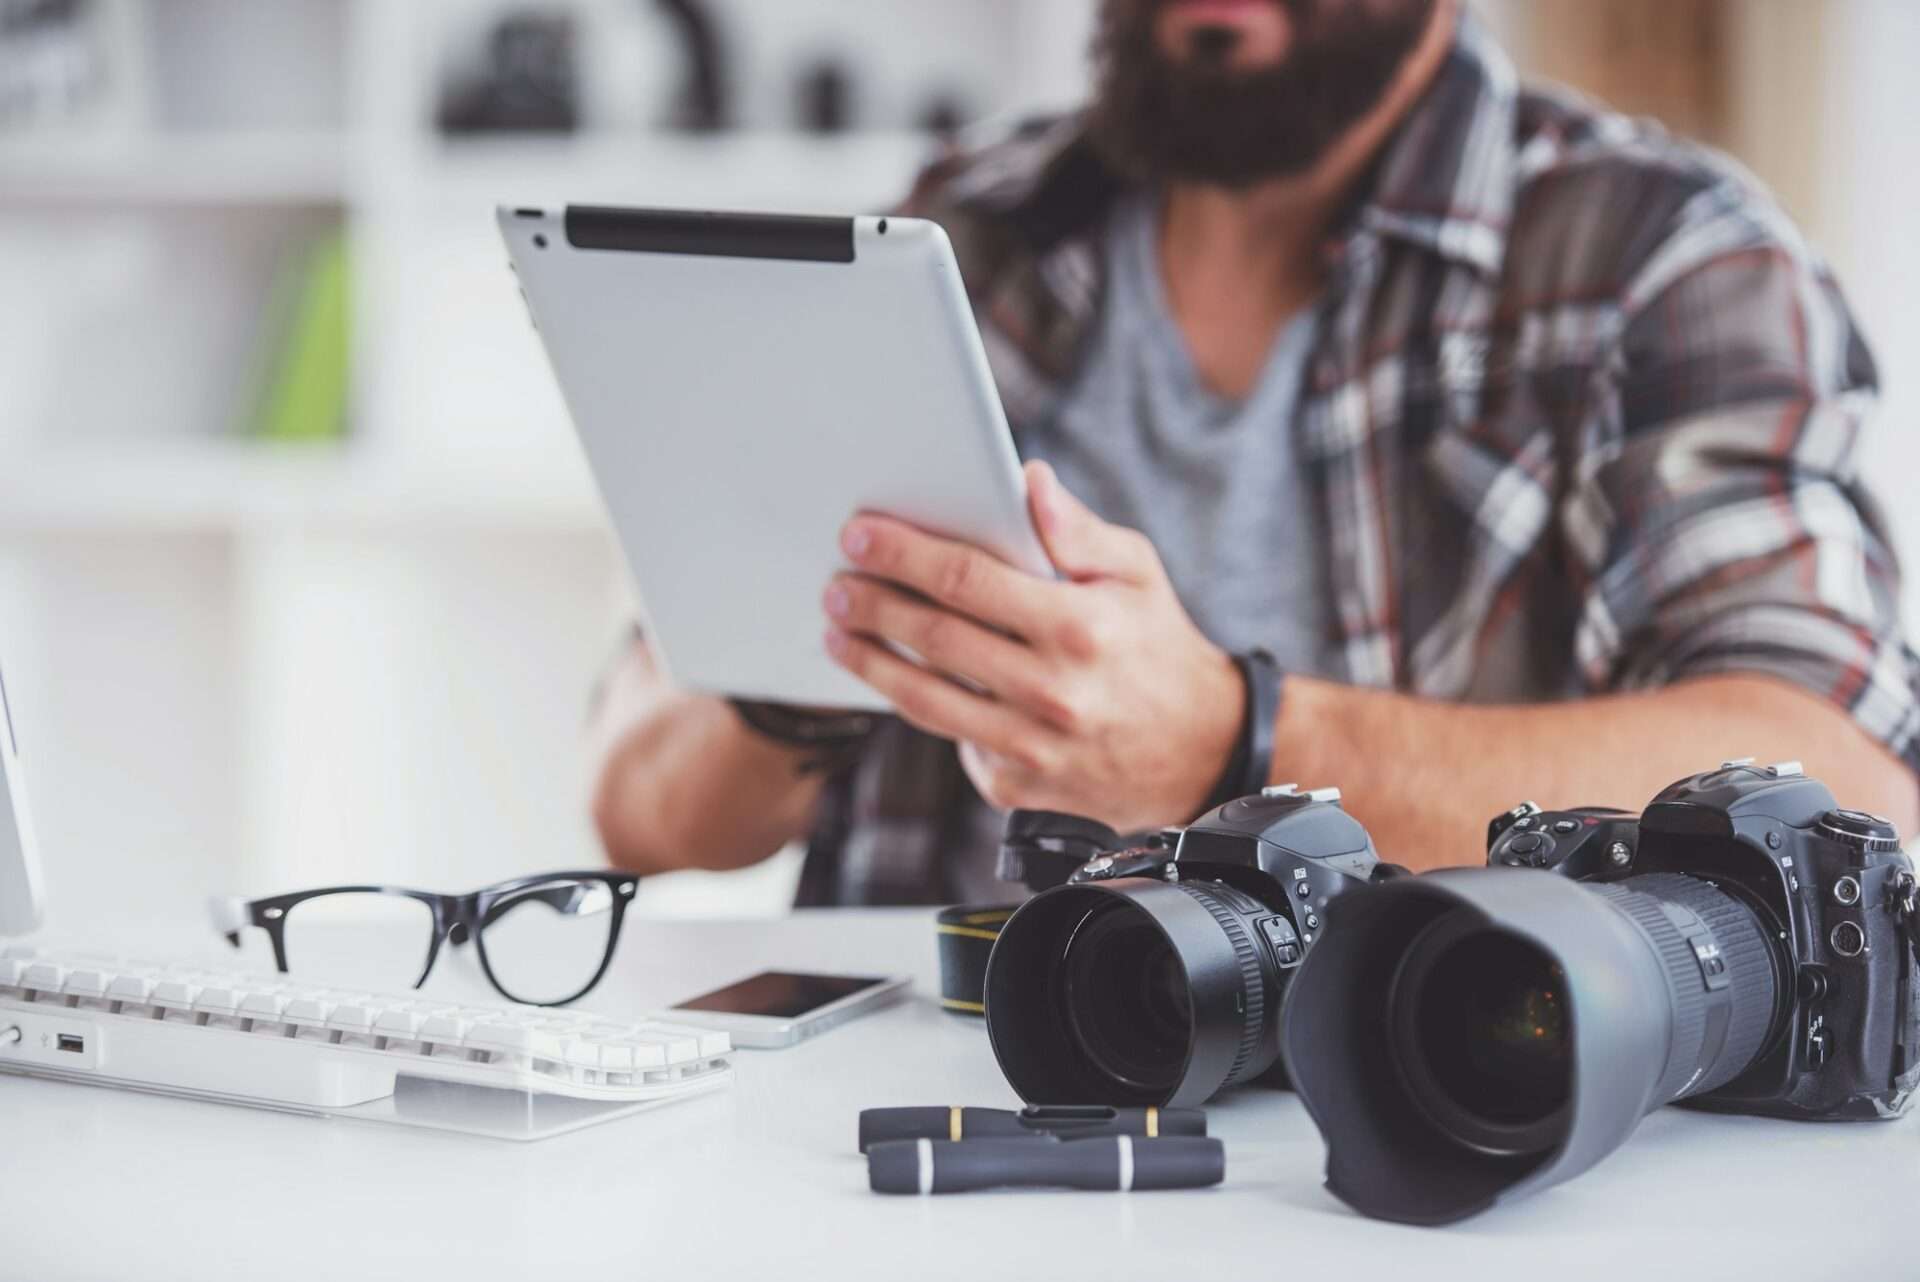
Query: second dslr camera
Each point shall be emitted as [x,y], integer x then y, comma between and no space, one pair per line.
[1155,973]
[1745,945]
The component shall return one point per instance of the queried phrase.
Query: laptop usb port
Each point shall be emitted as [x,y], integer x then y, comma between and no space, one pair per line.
[70,1042]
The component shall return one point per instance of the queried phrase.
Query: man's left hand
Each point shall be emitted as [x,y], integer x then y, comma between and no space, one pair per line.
[1094,694]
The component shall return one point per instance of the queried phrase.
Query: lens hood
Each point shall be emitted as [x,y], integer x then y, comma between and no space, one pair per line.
[1397,1147]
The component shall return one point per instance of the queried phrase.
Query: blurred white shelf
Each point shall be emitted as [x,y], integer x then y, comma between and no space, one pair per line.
[859,172]
[236,485]
[175,169]
[865,170]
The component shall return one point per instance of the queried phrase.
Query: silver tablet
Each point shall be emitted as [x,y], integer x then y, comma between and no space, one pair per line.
[744,383]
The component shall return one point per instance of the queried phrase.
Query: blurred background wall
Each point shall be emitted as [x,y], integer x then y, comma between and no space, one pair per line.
[301,574]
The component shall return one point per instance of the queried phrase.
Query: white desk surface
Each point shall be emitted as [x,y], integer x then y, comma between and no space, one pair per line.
[762,1180]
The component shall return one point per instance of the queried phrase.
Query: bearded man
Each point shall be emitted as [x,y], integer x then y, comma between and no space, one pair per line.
[1390,426]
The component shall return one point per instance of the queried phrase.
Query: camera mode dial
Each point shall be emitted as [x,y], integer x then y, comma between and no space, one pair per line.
[1860,830]
[1523,849]
[1121,863]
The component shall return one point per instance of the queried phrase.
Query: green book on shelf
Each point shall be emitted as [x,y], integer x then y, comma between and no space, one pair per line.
[304,395]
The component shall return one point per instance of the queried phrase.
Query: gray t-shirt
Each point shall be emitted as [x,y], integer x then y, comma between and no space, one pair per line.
[1215,483]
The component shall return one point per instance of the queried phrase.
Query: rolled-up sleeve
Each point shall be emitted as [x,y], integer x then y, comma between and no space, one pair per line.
[1722,523]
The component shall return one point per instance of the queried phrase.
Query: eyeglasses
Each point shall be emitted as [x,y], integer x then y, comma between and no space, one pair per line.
[544,940]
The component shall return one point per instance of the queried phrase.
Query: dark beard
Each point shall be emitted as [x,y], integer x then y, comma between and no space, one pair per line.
[1198,120]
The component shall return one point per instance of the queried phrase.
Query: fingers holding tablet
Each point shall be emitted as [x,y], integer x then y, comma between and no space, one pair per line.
[953,573]
[942,706]
[944,639]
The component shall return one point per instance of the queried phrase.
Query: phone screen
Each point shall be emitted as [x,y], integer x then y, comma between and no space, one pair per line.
[780,994]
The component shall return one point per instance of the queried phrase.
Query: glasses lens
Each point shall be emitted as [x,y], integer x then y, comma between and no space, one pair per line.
[1493,1030]
[359,940]
[1127,1002]
[545,942]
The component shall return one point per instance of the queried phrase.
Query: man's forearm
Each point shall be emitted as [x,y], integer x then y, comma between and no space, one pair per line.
[682,782]
[1426,776]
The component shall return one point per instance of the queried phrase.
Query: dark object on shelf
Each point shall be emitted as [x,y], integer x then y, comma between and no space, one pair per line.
[51,61]
[529,82]
[1473,1035]
[26,17]
[701,103]
[1155,974]
[825,98]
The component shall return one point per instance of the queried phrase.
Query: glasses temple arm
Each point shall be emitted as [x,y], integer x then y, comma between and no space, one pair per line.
[230,914]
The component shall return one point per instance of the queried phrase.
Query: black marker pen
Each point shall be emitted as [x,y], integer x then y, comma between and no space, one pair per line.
[1058,1121]
[1116,1163]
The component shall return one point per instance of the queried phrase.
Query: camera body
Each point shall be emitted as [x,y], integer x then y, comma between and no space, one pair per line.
[1279,854]
[1830,885]
[1224,909]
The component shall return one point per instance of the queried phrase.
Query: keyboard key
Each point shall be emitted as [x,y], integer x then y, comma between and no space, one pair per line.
[130,988]
[350,1018]
[44,977]
[86,981]
[450,1030]
[619,1051]
[711,1044]
[581,1053]
[175,994]
[267,1006]
[311,1012]
[514,1039]
[396,1023]
[680,1048]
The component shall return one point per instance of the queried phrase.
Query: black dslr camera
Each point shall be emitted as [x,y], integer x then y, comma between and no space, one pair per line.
[1153,972]
[1745,945]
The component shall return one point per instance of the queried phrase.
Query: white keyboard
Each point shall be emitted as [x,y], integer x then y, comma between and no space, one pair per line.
[248,1038]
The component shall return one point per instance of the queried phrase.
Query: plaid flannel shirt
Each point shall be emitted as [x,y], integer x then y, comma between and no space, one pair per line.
[1583,417]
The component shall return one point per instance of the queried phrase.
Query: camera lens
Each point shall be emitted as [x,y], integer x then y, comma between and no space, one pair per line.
[1133,991]
[1481,1036]
[1126,1001]
[1529,1023]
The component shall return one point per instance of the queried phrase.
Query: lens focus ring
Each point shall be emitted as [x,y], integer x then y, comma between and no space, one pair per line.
[1704,1054]
[1246,956]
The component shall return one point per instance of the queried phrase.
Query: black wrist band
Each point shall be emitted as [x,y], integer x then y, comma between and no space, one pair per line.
[1252,758]
[829,738]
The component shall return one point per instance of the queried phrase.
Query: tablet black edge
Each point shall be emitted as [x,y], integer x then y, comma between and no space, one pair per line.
[685,231]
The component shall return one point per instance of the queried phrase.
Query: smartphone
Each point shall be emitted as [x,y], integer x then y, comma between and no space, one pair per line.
[783,1007]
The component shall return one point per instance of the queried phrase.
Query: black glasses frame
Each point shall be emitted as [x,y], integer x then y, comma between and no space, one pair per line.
[456,918]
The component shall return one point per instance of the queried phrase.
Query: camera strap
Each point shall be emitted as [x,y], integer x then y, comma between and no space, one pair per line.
[1904,896]
[1040,849]
[966,934]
